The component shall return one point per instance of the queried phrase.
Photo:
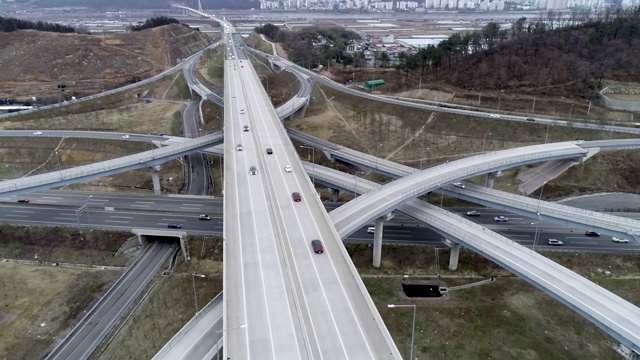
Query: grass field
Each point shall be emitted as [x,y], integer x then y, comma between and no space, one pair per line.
[37,303]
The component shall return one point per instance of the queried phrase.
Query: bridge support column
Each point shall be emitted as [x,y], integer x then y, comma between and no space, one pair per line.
[336,195]
[377,242]
[299,114]
[490,177]
[155,176]
[453,258]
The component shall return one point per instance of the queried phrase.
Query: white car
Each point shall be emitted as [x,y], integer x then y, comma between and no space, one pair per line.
[371,230]
[554,242]
[500,219]
[458,185]
[495,116]
[619,240]
[239,147]
[126,137]
[242,111]
[37,133]
[287,168]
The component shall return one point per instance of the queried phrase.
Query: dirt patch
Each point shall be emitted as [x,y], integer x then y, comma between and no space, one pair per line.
[35,62]
[34,312]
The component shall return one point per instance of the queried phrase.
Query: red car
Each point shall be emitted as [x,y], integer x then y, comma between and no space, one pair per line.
[296,196]
[317,246]
[269,151]
[26,201]
[592,233]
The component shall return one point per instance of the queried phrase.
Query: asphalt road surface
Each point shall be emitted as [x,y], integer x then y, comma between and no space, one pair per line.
[82,341]
[127,211]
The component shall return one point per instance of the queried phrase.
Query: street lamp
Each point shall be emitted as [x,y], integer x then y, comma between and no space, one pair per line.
[376,155]
[484,138]
[570,111]
[413,330]
[58,159]
[499,99]
[535,237]
[313,160]
[79,211]
[195,294]
[233,328]
[547,135]
[355,182]
[422,156]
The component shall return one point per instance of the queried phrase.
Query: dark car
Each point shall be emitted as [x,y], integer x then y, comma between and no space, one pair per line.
[269,151]
[530,119]
[592,233]
[26,201]
[317,246]
[245,128]
[174,226]
[296,196]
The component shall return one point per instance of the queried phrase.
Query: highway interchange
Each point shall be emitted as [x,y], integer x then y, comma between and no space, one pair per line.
[145,212]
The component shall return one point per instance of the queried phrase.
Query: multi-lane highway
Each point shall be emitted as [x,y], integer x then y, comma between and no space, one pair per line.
[283,300]
[98,321]
[127,211]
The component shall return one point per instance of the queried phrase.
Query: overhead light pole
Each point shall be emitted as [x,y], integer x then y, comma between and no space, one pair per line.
[484,138]
[376,155]
[413,328]
[535,237]
[355,182]
[313,161]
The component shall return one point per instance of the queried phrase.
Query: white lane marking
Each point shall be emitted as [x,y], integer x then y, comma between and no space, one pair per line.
[117,221]
[16,215]
[244,295]
[99,200]
[144,202]
[295,265]
[188,208]
[192,204]
[121,217]
[22,211]
[144,206]
[172,219]
[337,276]
[66,218]
[51,198]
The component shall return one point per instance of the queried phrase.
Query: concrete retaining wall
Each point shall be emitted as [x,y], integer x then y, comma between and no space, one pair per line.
[620,104]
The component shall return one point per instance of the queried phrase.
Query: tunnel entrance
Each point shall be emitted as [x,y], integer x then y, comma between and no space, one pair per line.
[422,290]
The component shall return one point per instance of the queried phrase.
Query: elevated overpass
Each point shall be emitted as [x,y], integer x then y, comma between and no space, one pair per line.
[147,159]
[614,315]
[283,300]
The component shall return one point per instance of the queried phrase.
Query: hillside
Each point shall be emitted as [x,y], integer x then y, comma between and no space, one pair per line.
[569,61]
[32,63]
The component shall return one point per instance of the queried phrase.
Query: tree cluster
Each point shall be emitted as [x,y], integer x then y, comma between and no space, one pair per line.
[155,22]
[12,24]
[550,55]
[305,47]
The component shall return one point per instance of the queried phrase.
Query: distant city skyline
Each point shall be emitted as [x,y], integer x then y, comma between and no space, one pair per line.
[426,5]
